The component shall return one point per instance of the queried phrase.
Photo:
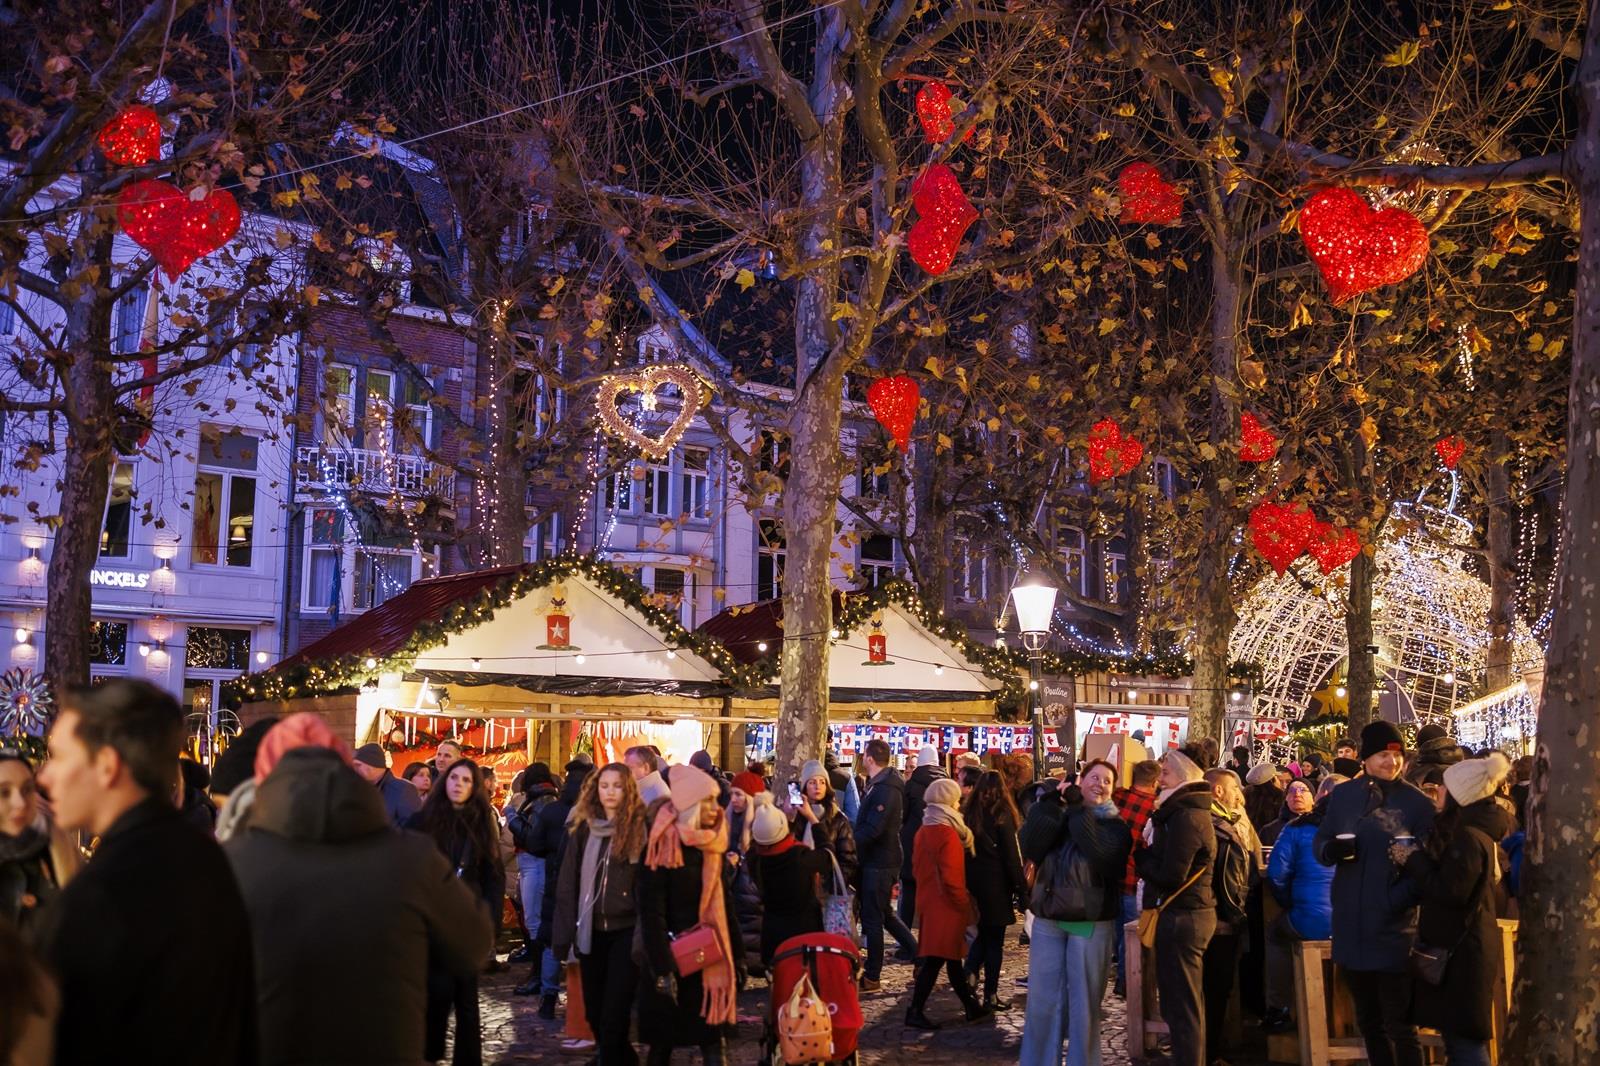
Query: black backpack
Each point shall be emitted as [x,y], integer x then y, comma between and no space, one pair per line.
[1230,879]
[1066,887]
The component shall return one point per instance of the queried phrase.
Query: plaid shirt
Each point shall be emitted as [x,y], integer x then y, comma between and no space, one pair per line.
[1135,807]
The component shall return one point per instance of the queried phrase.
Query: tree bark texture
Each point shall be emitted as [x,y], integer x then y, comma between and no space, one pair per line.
[1361,673]
[1556,1005]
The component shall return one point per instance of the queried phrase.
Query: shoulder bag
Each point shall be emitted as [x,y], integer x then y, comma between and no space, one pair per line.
[1065,888]
[839,906]
[1148,918]
[1427,963]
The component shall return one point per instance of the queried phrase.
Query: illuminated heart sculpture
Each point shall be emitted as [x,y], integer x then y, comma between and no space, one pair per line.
[175,228]
[944,213]
[1450,450]
[1147,196]
[1111,454]
[894,403]
[1281,533]
[1332,546]
[132,138]
[934,112]
[1257,444]
[1357,248]
[692,395]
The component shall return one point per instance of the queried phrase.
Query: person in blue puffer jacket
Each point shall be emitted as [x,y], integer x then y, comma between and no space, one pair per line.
[1303,887]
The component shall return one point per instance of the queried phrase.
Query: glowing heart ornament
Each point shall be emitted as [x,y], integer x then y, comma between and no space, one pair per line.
[1111,452]
[1257,444]
[894,402]
[132,138]
[175,228]
[1147,196]
[692,394]
[944,214]
[1281,533]
[934,112]
[1450,450]
[1333,547]
[1358,248]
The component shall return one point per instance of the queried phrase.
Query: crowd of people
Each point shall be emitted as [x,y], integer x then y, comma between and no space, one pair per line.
[302,899]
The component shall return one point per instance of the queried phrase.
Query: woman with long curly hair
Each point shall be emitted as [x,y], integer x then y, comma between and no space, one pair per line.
[597,905]
[994,877]
[458,817]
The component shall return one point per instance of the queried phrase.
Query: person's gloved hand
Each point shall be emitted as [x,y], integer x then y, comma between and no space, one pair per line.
[1071,795]
[1341,848]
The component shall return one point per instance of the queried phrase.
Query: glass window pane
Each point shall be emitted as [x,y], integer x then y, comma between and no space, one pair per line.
[241,520]
[327,526]
[228,451]
[119,513]
[108,643]
[206,648]
[207,516]
[668,582]
[320,578]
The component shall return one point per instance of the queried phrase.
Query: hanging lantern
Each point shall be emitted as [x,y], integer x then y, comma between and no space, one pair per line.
[1332,547]
[943,215]
[1281,533]
[1450,450]
[1147,196]
[936,114]
[1357,248]
[894,403]
[132,138]
[1111,453]
[1257,444]
[174,228]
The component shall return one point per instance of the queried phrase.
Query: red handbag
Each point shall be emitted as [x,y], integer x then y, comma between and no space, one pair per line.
[696,948]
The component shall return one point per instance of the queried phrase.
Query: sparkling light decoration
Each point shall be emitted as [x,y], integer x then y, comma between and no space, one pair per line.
[24,703]
[176,228]
[1430,622]
[693,393]
[944,214]
[1257,444]
[132,138]
[1147,196]
[1111,452]
[1358,248]
[936,114]
[894,401]
[1450,450]
[1281,533]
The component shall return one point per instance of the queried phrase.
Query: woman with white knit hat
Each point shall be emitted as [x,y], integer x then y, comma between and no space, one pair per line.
[820,824]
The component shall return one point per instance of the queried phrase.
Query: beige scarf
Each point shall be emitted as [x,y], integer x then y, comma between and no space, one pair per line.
[668,836]
[939,814]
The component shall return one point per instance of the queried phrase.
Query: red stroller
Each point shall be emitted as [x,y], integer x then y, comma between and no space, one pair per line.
[832,962]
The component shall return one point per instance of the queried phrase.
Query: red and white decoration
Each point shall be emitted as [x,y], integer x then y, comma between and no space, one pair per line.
[175,228]
[1257,444]
[894,402]
[1450,450]
[1358,248]
[935,113]
[1147,197]
[132,138]
[557,623]
[943,215]
[1111,452]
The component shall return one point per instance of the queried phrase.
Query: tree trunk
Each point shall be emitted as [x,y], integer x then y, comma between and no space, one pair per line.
[1501,563]
[85,480]
[1361,677]
[1556,1005]
[499,514]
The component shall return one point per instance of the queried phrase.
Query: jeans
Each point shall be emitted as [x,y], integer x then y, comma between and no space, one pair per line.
[1181,939]
[1460,1051]
[1066,984]
[877,889]
[1220,967]
[531,871]
[908,899]
[1383,1014]
[458,994]
[1119,942]
[988,949]
[610,983]
[549,974]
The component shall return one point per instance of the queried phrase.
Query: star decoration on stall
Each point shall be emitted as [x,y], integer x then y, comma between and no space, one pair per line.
[557,623]
[1111,452]
[175,228]
[132,138]
[936,114]
[693,394]
[894,402]
[1280,532]
[1357,248]
[24,702]
[943,215]
[1257,444]
[877,643]
[1147,197]
[1332,546]
[1450,450]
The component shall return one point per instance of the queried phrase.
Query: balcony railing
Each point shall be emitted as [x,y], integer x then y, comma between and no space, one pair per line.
[372,472]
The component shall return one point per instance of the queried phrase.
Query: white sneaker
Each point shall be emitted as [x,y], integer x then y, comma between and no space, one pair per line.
[576,1047]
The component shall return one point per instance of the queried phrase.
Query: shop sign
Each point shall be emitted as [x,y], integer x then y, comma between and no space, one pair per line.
[120,579]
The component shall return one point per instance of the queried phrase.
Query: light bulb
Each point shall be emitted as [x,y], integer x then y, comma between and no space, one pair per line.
[144,651]
[371,662]
[477,663]
[1341,692]
[578,659]
[761,646]
[833,634]
[938,670]
[261,658]
[1237,696]
[1133,694]
[22,634]
[1450,678]
[671,654]
[1033,686]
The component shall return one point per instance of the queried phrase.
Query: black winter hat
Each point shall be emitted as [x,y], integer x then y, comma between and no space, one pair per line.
[237,763]
[1431,731]
[1380,736]
[538,774]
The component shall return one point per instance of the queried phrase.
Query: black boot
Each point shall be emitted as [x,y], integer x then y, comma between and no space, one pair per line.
[969,1000]
[530,987]
[916,1019]
[659,1056]
[712,1054]
[547,1008]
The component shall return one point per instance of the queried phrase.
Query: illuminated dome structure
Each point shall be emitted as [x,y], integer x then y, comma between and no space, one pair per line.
[1430,623]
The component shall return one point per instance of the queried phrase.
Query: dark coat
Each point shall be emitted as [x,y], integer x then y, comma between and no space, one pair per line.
[1459,890]
[790,882]
[1263,803]
[1104,842]
[400,799]
[549,843]
[616,905]
[994,873]
[347,911]
[669,903]
[915,805]
[151,948]
[746,893]
[833,834]
[944,907]
[878,824]
[28,882]
[482,871]
[1184,841]
[1374,908]
[523,819]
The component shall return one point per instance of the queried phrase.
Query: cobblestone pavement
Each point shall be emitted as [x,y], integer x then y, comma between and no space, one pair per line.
[513,1032]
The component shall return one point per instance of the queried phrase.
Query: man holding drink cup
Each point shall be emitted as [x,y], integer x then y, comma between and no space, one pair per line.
[1374,907]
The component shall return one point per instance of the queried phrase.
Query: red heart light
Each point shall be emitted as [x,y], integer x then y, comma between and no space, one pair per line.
[1257,444]
[1147,196]
[944,213]
[1357,248]
[1111,453]
[894,402]
[175,229]
[1332,546]
[1281,533]
[935,114]
[1450,450]
[132,138]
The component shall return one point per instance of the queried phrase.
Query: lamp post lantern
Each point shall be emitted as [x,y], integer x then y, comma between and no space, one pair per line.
[1036,604]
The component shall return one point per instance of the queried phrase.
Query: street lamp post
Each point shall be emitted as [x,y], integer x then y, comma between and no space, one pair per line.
[1036,605]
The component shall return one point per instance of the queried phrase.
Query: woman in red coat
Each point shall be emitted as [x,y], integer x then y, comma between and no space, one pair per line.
[944,909]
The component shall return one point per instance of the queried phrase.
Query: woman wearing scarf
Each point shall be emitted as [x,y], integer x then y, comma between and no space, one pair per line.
[818,822]
[944,908]
[35,859]
[789,878]
[684,884]
[597,905]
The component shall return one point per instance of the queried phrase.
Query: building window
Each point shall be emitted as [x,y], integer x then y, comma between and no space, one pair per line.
[377,423]
[247,357]
[381,575]
[114,533]
[971,572]
[8,320]
[772,453]
[324,559]
[417,433]
[877,559]
[658,488]
[127,324]
[1116,571]
[1072,558]
[617,491]
[769,559]
[543,541]
[875,481]
[339,405]
[108,643]
[225,500]
[696,483]
[217,649]
[1165,479]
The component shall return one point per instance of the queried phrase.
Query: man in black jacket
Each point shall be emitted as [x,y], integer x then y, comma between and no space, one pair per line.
[400,799]
[150,943]
[878,850]
[548,841]
[927,772]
